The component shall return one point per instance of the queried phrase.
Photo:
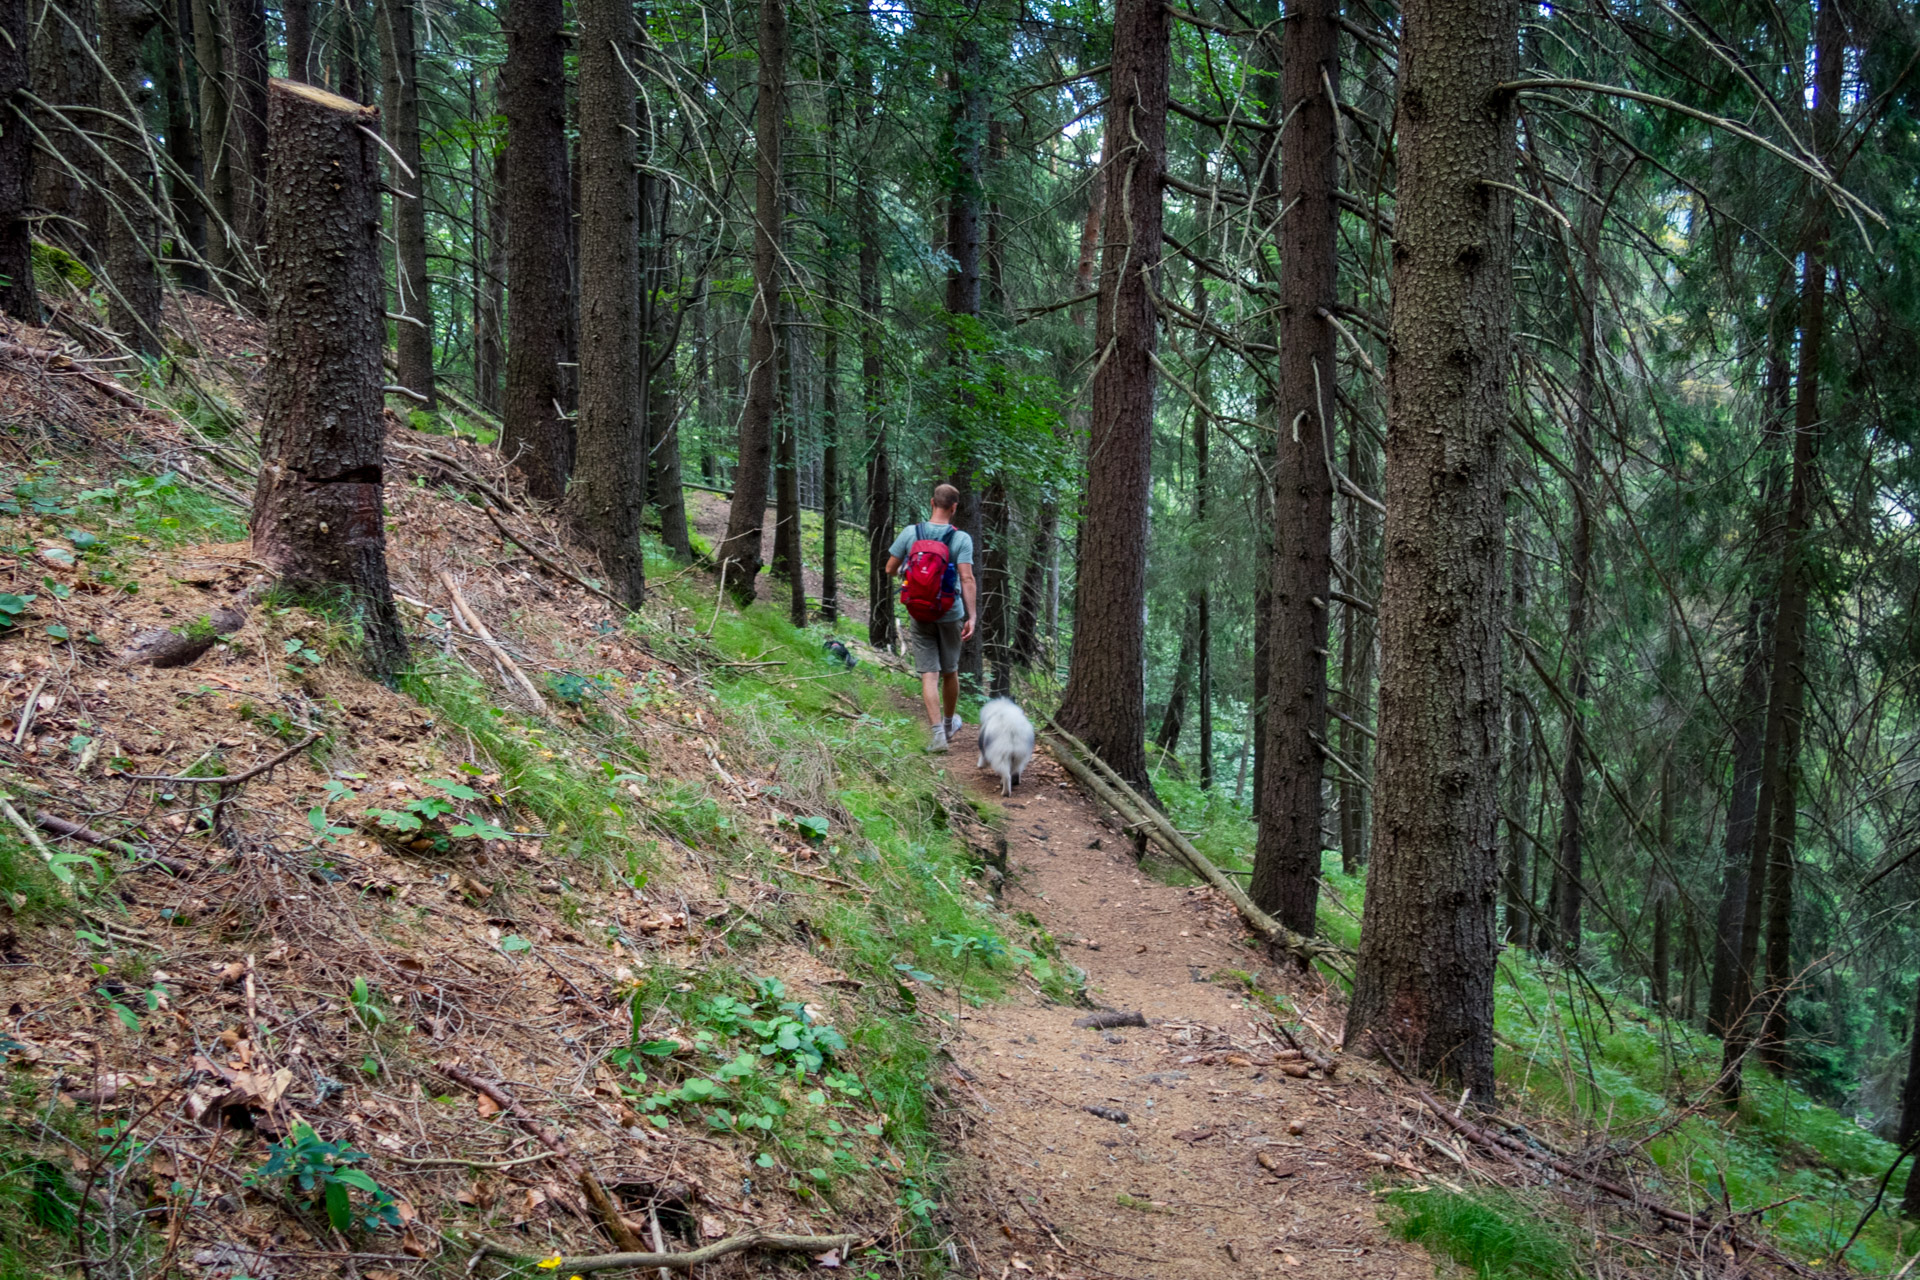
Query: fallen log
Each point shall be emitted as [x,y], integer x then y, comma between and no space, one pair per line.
[766,1241]
[1118,794]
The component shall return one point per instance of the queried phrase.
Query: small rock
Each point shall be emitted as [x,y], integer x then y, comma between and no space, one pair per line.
[1296,1127]
[1107,1113]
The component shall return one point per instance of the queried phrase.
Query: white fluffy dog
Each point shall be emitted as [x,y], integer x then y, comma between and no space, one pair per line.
[1006,742]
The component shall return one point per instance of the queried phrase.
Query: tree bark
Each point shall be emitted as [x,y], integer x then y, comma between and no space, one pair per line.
[535,436]
[318,518]
[608,492]
[1357,651]
[740,553]
[1286,861]
[881,631]
[1778,803]
[1167,738]
[788,556]
[132,260]
[1202,596]
[63,72]
[400,111]
[1662,893]
[17,295]
[1565,893]
[1518,930]
[966,129]
[352,78]
[183,149]
[297,15]
[1749,734]
[1265,77]
[996,581]
[216,158]
[1424,980]
[247,123]
[1104,700]
[1033,589]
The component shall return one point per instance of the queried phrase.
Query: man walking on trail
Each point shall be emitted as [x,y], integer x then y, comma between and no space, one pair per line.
[936,561]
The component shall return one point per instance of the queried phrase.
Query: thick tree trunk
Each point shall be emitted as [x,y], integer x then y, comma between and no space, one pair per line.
[247,123]
[183,149]
[1265,82]
[1286,862]
[132,260]
[297,15]
[1104,699]
[608,492]
[740,553]
[1424,980]
[535,435]
[17,296]
[318,518]
[400,112]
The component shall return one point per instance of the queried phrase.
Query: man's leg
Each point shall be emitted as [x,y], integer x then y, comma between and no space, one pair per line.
[949,694]
[930,694]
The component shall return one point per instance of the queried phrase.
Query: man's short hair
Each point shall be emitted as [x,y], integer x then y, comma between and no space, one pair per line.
[946,497]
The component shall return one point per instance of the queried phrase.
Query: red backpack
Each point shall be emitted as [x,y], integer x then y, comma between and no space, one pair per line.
[932,577]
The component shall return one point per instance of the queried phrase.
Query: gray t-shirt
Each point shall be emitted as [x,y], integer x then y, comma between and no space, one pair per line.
[961,546]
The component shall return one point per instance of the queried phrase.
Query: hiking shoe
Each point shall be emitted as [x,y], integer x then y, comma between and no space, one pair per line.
[953,724]
[938,741]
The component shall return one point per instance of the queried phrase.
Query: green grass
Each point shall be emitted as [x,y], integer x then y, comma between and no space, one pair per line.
[1624,1073]
[1493,1235]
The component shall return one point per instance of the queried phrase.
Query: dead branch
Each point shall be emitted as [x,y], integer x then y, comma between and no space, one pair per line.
[472,619]
[231,779]
[763,1240]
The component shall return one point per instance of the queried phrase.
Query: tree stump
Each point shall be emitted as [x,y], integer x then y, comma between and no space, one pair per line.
[318,517]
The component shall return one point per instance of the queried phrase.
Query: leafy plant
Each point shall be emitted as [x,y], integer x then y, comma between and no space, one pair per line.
[367,1005]
[13,608]
[324,1170]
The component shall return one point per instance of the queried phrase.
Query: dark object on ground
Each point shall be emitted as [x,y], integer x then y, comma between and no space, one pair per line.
[1107,1113]
[840,653]
[1101,1021]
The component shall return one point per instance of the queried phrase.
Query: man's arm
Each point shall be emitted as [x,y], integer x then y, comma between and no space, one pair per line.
[970,593]
[893,565]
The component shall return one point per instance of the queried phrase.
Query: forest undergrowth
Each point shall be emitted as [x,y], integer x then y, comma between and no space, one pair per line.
[1592,1066]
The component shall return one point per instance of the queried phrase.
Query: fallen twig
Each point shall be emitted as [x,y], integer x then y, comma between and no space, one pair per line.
[472,620]
[616,1225]
[764,1240]
[227,780]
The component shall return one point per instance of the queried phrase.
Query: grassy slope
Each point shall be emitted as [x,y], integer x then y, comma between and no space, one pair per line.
[1599,1066]
[913,928]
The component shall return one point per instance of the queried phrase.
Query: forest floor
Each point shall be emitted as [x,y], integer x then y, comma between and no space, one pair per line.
[1223,1165]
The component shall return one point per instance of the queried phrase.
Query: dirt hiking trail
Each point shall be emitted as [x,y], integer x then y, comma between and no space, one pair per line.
[1224,1166]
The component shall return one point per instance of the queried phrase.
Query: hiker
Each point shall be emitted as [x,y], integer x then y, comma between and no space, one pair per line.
[936,561]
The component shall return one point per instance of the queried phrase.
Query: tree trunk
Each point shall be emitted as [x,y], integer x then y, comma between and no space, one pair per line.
[1265,80]
[996,584]
[1286,862]
[1202,596]
[1166,739]
[400,112]
[966,130]
[608,492]
[789,558]
[216,158]
[17,296]
[1424,980]
[535,435]
[1104,699]
[132,261]
[1910,1109]
[297,15]
[1357,651]
[830,499]
[247,125]
[1518,929]
[352,78]
[318,518]
[740,553]
[1033,588]
[1749,733]
[189,214]
[1778,803]
[664,388]
[1568,887]
[63,72]
[881,631]
[1662,893]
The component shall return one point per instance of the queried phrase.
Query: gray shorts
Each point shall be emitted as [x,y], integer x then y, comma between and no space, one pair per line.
[936,645]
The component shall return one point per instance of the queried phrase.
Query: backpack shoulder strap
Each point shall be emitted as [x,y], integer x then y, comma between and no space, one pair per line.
[947,537]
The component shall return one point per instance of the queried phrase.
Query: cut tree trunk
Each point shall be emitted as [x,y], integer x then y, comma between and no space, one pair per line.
[608,493]
[1424,983]
[318,515]
[536,437]
[400,111]
[17,296]
[1286,861]
[1105,695]
[132,261]
[740,552]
